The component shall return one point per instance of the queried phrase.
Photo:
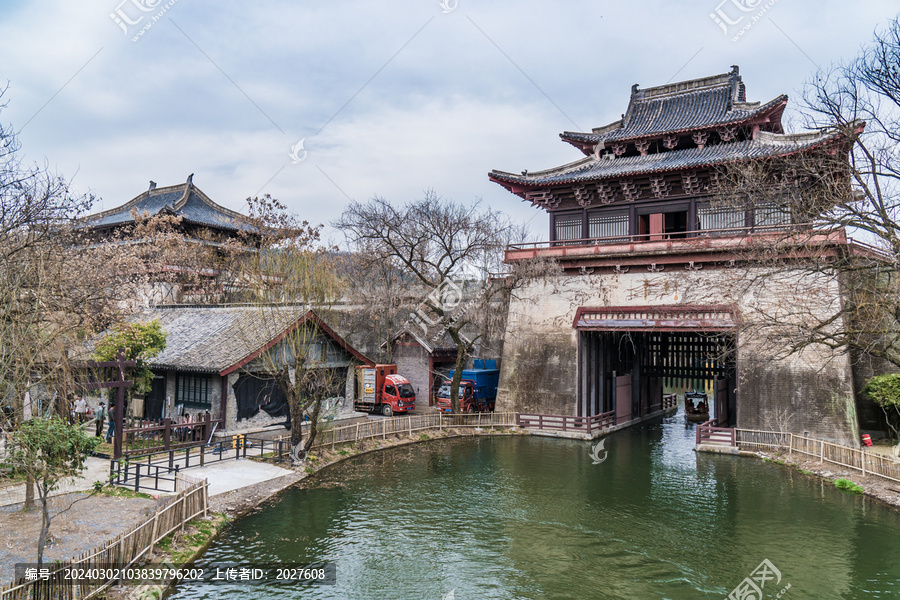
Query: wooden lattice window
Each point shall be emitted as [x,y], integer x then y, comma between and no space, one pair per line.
[193,390]
[568,227]
[606,225]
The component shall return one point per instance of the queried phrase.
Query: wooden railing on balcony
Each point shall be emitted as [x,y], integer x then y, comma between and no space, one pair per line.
[567,422]
[709,239]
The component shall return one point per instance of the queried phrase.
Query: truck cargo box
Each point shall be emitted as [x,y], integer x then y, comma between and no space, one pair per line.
[486,381]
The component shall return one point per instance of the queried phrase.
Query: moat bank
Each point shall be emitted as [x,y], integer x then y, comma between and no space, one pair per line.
[529,517]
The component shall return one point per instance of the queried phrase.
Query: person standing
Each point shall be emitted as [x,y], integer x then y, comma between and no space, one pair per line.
[100,419]
[112,423]
[80,409]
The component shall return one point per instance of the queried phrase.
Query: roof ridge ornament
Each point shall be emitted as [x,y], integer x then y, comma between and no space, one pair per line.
[152,186]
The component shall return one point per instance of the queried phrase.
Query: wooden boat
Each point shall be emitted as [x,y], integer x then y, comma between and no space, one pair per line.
[696,407]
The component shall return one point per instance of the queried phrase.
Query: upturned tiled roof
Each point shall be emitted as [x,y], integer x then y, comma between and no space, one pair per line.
[593,169]
[686,106]
[221,339]
[184,200]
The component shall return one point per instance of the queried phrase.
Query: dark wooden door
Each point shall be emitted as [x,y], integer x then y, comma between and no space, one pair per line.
[623,398]
[154,401]
[721,392]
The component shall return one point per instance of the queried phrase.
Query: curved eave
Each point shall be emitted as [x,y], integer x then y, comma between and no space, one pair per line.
[770,112]
[520,185]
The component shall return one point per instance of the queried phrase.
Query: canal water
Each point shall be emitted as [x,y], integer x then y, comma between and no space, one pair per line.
[533,518]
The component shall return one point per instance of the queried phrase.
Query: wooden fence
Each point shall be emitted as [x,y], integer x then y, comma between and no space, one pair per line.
[167,434]
[125,551]
[381,428]
[280,448]
[856,459]
[670,401]
[567,422]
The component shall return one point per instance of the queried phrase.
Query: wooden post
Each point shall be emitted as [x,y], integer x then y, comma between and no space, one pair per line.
[155,531]
[822,451]
[120,409]
[357,433]
[167,432]
[205,498]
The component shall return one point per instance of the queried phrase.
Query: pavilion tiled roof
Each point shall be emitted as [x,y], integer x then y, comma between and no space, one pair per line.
[683,107]
[593,169]
[184,200]
[221,339]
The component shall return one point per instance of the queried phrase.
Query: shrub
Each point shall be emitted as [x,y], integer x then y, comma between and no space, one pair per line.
[848,486]
[884,390]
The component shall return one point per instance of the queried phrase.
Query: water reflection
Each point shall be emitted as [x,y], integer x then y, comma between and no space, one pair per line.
[528,517]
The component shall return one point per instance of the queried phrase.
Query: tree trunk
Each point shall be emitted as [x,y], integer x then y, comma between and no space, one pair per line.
[296,409]
[313,425]
[29,492]
[45,525]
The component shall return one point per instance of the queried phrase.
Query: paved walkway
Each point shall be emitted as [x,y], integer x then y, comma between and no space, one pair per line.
[229,475]
[96,469]
[223,476]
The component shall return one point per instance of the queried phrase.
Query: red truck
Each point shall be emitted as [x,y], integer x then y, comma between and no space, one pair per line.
[469,402]
[384,391]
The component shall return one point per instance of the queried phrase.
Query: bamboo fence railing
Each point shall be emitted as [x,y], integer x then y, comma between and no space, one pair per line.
[867,463]
[172,512]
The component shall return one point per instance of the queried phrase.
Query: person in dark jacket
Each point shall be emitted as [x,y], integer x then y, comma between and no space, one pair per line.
[100,418]
[112,423]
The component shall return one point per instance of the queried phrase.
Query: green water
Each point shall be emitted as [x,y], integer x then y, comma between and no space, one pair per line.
[532,518]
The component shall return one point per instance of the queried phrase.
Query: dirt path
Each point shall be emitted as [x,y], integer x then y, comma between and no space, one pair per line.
[89,522]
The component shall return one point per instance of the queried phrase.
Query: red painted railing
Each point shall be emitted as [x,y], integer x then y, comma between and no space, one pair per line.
[669,401]
[566,422]
[708,433]
[707,239]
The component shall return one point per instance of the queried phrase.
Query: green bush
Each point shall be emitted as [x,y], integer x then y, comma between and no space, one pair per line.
[848,486]
[884,390]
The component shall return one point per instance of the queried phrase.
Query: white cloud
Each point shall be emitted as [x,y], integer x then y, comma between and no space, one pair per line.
[445,110]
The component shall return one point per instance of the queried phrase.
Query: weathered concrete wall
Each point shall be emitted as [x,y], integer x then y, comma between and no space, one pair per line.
[809,391]
[413,363]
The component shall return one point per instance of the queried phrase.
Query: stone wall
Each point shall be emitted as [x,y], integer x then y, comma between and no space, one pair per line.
[809,391]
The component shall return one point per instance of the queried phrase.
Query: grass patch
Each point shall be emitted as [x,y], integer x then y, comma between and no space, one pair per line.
[119,492]
[182,549]
[848,486]
[805,472]
[424,437]
[165,544]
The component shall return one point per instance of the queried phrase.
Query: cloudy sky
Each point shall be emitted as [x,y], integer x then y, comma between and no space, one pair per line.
[389,98]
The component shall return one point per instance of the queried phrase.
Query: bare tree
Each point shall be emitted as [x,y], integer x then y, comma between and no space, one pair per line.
[56,286]
[436,244]
[845,188]
[293,284]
